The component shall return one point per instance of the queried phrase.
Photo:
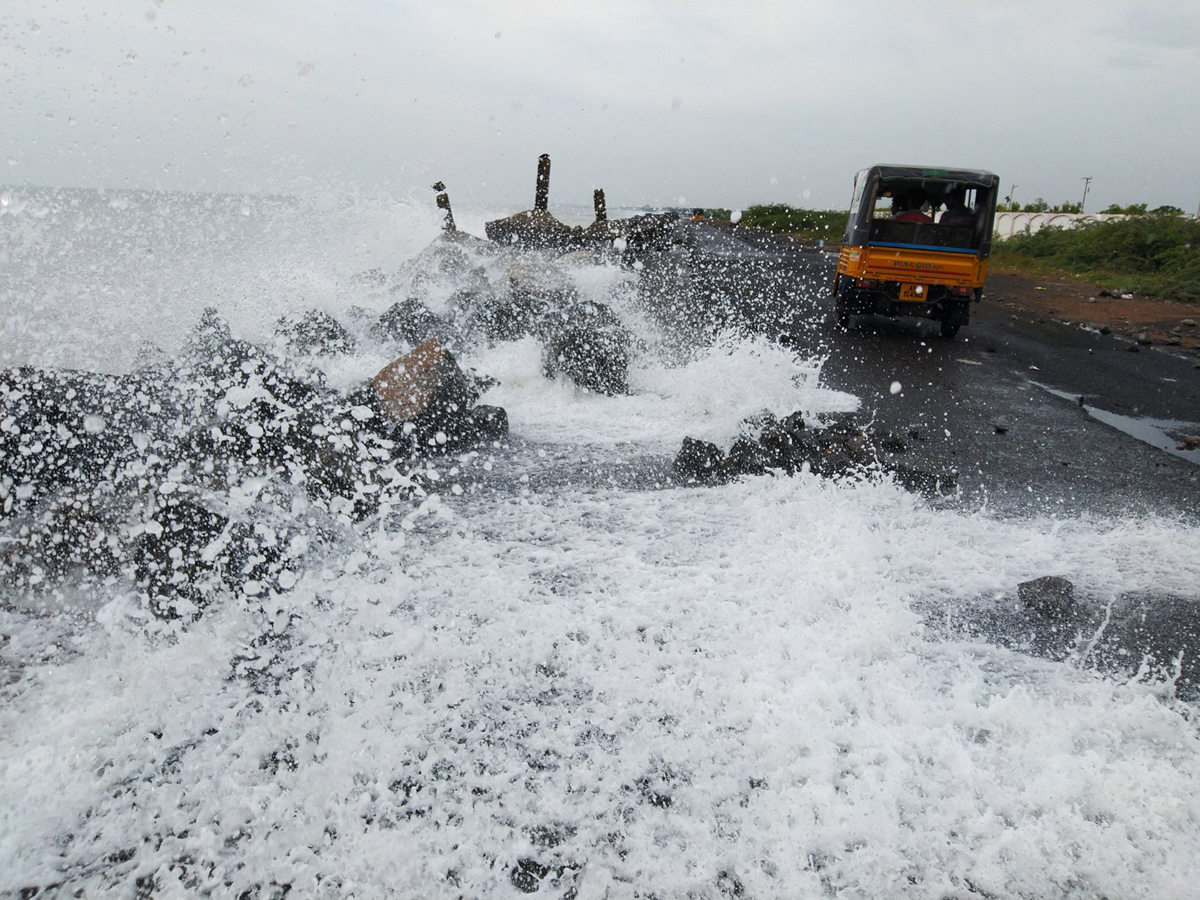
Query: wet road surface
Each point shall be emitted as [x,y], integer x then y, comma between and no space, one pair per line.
[1022,409]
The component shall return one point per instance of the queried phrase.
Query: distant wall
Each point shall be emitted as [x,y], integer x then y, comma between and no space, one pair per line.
[1010,223]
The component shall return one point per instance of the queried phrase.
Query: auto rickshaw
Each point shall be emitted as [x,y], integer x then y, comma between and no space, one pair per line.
[916,244]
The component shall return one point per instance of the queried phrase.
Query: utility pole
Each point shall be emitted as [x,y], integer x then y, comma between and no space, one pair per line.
[1087,182]
[1012,190]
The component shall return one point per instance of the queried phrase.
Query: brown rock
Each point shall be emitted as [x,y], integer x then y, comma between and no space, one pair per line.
[409,386]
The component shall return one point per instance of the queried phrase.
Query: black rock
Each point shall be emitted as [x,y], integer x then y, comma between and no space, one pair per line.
[794,424]
[747,457]
[527,876]
[485,424]
[425,402]
[635,235]
[889,442]
[212,352]
[506,317]
[68,428]
[315,332]
[782,449]
[1144,635]
[588,344]
[700,460]
[170,562]
[409,321]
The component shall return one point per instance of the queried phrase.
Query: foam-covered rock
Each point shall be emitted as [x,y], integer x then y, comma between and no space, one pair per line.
[315,332]
[587,343]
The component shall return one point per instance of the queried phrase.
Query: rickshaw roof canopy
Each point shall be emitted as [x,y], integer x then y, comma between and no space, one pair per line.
[888,171]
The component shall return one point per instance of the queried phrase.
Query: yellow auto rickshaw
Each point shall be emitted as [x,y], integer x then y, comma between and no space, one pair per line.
[916,243]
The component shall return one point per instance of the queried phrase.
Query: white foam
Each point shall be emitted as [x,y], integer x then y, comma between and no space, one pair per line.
[652,691]
[705,397]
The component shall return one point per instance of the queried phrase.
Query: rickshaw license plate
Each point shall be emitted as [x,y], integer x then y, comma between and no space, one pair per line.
[913,291]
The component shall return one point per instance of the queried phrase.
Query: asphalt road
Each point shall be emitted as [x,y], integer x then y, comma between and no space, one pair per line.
[1023,410]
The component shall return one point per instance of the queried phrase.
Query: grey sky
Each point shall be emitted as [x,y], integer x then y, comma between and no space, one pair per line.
[701,103]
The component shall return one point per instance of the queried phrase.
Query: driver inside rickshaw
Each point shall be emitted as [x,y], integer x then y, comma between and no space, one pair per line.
[907,208]
[957,213]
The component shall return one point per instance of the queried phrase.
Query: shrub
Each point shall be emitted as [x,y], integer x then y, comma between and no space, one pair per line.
[811,224]
[1151,254]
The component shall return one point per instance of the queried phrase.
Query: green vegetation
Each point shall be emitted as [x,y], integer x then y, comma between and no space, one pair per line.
[1156,254]
[1139,209]
[1134,209]
[1040,205]
[806,224]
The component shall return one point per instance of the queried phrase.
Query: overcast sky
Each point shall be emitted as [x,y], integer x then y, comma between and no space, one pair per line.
[697,104]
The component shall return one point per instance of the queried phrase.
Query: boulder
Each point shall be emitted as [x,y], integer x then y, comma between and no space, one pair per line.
[90,453]
[633,236]
[747,457]
[545,281]
[212,352]
[700,461]
[506,317]
[69,534]
[1148,636]
[1153,636]
[841,447]
[315,332]
[426,381]
[588,344]
[427,402]
[765,442]
[409,321]
[487,423]
[173,562]
[61,427]
[187,553]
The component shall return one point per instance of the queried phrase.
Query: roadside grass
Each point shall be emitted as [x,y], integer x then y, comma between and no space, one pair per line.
[1153,255]
[781,218]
